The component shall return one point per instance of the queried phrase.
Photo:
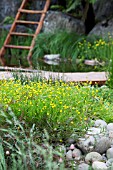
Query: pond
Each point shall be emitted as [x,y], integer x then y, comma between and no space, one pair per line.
[68,66]
[64,65]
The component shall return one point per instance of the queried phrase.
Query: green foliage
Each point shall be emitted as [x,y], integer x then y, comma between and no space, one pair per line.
[3,37]
[69,45]
[56,106]
[2,157]
[57,7]
[60,108]
[41,105]
[59,42]
[110,68]
[111,73]
[71,5]
[72,46]
[21,149]
[94,48]
[8,20]
[24,78]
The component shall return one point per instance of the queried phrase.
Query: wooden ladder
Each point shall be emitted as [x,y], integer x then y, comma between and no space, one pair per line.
[12,31]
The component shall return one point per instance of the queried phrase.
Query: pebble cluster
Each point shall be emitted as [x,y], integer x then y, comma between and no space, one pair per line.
[94,150]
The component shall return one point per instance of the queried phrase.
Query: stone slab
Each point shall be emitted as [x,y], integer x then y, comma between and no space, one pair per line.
[99,77]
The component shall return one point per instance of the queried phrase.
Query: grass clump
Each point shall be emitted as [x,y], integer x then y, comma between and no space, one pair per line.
[110,70]
[19,149]
[54,43]
[3,37]
[71,46]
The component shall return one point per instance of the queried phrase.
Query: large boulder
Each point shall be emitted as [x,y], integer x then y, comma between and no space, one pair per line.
[56,20]
[103,9]
[103,28]
[19,28]
[35,5]
[8,8]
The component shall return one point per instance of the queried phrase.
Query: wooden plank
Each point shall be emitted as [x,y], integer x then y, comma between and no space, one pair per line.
[31,11]
[26,22]
[18,47]
[21,34]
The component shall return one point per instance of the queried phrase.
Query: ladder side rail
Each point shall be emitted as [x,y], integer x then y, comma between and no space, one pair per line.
[13,27]
[42,18]
[47,4]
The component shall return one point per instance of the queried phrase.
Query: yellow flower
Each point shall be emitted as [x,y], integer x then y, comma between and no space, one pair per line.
[53,106]
[65,107]
[78,112]
[85,118]
[60,102]
[96,90]
[97,45]
[48,114]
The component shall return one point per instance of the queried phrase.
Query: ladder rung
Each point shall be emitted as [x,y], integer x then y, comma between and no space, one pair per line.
[18,47]
[26,22]
[31,11]
[21,34]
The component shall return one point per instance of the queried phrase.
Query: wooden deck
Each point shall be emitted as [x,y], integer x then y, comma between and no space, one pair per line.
[98,77]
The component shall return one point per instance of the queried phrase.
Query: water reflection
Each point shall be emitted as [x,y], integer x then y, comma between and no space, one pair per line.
[67,66]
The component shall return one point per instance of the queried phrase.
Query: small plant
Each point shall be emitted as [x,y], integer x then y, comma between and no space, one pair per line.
[27,77]
[2,157]
[111,73]
[3,37]
[21,149]
[8,20]
[110,69]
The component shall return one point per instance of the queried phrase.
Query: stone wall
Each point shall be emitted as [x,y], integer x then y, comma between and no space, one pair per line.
[8,8]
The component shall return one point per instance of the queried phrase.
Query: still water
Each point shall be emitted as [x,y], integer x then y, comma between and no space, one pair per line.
[67,66]
[55,66]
